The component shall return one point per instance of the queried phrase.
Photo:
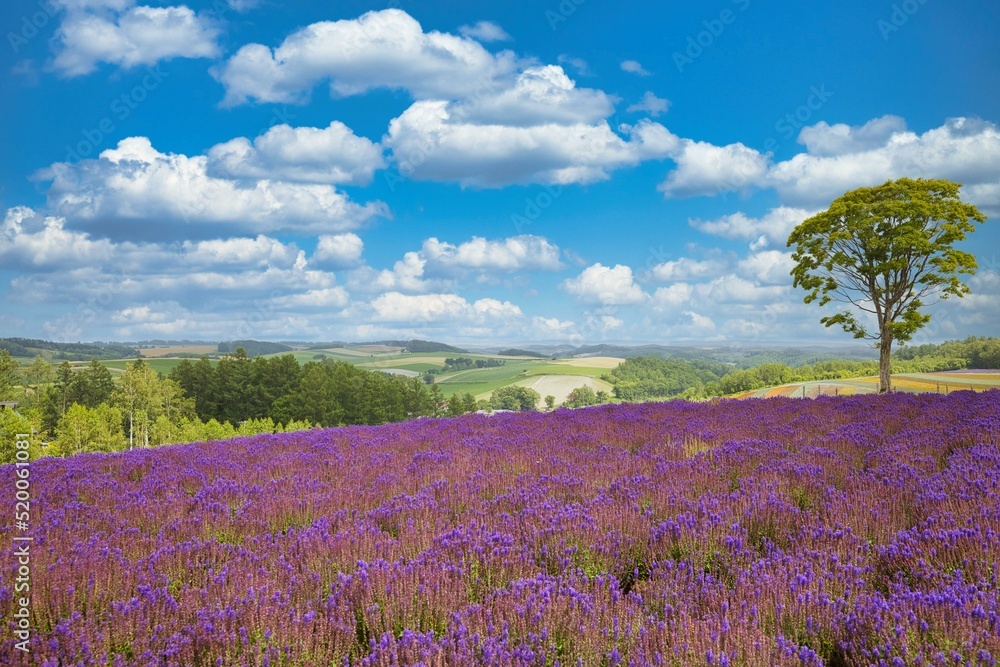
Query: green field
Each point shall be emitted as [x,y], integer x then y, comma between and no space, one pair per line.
[565,369]
[159,365]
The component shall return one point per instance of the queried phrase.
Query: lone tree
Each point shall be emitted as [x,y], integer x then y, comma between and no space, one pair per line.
[889,251]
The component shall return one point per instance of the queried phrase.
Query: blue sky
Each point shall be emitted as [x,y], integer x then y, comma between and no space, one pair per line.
[574,171]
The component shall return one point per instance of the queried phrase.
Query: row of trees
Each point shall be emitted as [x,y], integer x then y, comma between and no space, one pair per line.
[88,410]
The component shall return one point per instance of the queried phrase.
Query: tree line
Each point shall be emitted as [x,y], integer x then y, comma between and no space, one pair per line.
[86,410]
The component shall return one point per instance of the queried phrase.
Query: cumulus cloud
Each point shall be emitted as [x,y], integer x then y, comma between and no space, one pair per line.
[338,250]
[485,31]
[840,158]
[135,183]
[33,242]
[706,169]
[129,36]
[542,95]
[840,139]
[607,286]
[772,267]
[634,67]
[333,154]
[686,268]
[380,49]
[428,143]
[651,104]
[515,253]
[965,150]
[397,307]
[774,226]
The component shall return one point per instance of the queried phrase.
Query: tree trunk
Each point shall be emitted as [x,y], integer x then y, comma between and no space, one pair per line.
[884,355]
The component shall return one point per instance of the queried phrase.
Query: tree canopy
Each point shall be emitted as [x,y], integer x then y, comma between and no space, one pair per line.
[887,251]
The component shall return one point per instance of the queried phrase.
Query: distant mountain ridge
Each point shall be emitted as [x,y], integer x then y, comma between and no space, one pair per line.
[30,347]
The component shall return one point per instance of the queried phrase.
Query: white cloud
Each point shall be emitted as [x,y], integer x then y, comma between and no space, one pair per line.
[578,64]
[32,242]
[608,286]
[706,169]
[537,96]
[731,289]
[841,158]
[546,328]
[774,226]
[824,139]
[428,143]
[247,252]
[686,268]
[338,250]
[965,150]
[651,104]
[135,182]
[485,31]
[243,5]
[516,253]
[397,307]
[634,67]
[407,274]
[772,267]
[140,35]
[672,297]
[305,154]
[381,49]
[325,298]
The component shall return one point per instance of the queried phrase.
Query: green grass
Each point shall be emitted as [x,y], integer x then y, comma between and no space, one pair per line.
[565,369]
[159,365]
[484,380]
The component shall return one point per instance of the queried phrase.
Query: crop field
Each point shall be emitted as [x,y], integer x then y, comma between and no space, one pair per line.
[840,531]
[482,381]
[560,386]
[939,383]
[604,363]
[178,349]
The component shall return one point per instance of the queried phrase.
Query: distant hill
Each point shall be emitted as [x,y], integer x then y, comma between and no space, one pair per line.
[515,352]
[416,346]
[30,347]
[254,348]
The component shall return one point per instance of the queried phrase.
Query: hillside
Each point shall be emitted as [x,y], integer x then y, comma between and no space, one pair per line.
[832,532]
[29,348]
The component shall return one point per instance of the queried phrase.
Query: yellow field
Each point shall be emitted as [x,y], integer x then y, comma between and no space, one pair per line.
[152,352]
[559,386]
[590,362]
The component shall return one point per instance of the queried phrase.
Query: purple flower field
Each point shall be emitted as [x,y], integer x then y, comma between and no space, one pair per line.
[839,531]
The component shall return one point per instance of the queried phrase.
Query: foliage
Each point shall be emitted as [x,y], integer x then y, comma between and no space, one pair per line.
[84,429]
[887,251]
[974,352]
[29,347]
[252,348]
[581,397]
[644,378]
[514,397]
[9,370]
